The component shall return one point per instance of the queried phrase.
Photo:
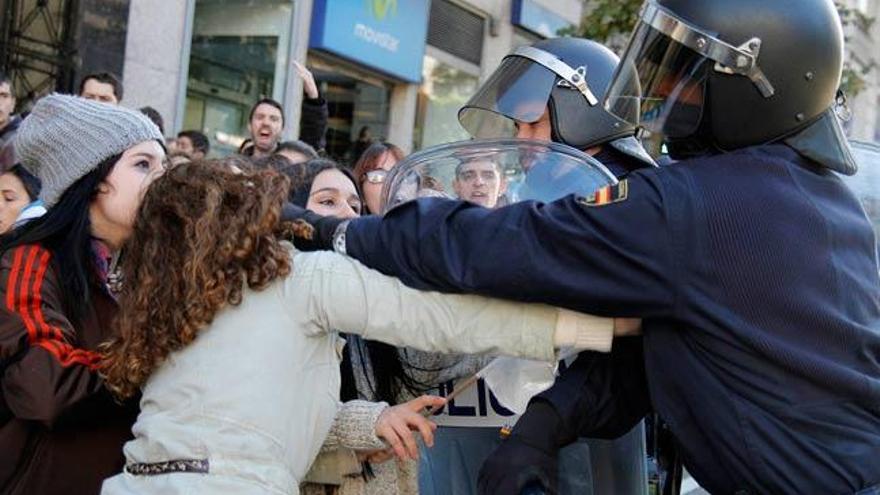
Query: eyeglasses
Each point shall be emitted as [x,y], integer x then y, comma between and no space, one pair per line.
[376,176]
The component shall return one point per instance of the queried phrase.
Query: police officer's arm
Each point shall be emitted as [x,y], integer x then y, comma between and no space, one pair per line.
[615,259]
[601,395]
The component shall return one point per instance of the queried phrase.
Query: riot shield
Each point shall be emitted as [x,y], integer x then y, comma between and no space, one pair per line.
[495,173]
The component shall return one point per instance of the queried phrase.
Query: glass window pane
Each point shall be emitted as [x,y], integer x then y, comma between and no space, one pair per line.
[444,90]
[358,108]
[238,55]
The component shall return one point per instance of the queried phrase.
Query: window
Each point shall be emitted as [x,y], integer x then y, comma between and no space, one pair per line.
[443,92]
[238,55]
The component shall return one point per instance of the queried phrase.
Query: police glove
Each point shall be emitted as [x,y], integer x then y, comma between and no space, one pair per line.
[320,231]
[528,459]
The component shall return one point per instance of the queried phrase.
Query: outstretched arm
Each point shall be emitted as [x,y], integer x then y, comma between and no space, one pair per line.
[342,293]
[611,259]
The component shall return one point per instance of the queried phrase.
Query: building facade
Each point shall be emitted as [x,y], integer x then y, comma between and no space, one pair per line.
[863,54]
[389,69]
[47,45]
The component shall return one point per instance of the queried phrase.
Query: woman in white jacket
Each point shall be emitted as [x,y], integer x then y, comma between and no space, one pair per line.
[228,333]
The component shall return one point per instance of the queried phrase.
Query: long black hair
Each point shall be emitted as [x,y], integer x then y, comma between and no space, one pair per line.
[381,363]
[30,182]
[66,231]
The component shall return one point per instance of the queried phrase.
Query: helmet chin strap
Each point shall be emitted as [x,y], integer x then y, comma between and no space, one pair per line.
[699,143]
[554,125]
[551,106]
[690,147]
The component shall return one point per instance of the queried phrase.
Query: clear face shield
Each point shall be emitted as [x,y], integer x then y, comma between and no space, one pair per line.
[660,82]
[519,90]
[494,173]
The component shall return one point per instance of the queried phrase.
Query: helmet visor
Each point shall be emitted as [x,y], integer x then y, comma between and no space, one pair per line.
[518,90]
[659,84]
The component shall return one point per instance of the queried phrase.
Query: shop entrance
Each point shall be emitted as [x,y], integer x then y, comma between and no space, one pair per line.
[238,55]
[358,104]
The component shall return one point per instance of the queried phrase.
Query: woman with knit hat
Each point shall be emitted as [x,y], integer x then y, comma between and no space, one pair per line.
[60,431]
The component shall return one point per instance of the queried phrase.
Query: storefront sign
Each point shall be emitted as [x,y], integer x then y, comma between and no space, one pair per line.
[538,19]
[475,407]
[387,35]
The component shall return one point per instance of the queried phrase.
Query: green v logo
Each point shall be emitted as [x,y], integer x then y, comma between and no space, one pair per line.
[381,8]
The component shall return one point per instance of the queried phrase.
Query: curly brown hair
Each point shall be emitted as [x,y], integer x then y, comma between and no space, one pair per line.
[203,231]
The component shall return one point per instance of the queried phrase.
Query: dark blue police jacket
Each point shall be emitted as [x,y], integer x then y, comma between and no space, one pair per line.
[756,277]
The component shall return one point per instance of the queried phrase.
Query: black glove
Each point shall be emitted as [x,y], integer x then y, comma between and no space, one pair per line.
[320,237]
[528,459]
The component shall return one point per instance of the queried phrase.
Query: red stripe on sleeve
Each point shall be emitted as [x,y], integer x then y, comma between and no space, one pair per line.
[48,337]
[23,296]
[13,277]
[47,332]
[67,355]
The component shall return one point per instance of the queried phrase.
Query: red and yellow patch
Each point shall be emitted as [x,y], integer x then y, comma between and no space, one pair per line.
[607,195]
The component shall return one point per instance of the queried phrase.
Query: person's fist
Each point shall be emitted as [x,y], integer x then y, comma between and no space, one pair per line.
[311,232]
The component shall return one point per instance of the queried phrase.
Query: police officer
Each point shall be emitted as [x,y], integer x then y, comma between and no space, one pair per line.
[548,91]
[750,263]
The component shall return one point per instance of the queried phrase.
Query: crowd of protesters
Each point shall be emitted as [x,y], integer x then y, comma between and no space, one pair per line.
[108,226]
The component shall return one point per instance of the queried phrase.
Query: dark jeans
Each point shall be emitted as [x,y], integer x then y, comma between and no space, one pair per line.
[587,467]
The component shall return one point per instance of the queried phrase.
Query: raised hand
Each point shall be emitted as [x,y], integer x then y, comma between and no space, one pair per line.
[310,87]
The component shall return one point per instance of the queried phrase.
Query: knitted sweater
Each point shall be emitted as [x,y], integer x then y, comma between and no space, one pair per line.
[394,477]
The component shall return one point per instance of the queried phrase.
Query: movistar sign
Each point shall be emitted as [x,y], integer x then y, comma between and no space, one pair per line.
[386,35]
[381,8]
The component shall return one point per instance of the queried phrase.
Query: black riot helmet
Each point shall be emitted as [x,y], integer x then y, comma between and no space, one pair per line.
[569,77]
[737,73]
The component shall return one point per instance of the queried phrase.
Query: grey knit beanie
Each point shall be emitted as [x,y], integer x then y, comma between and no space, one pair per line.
[66,137]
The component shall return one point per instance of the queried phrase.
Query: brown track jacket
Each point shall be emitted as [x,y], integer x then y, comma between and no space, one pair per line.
[60,432]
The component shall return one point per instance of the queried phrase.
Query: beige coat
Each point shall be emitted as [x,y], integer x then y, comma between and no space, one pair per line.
[256,393]
[354,429]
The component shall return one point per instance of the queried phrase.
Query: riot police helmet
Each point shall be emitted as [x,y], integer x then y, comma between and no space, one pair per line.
[566,77]
[736,74]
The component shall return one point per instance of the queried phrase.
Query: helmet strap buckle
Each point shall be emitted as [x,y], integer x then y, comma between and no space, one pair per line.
[575,78]
[747,65]
[564,83]
[739,60]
